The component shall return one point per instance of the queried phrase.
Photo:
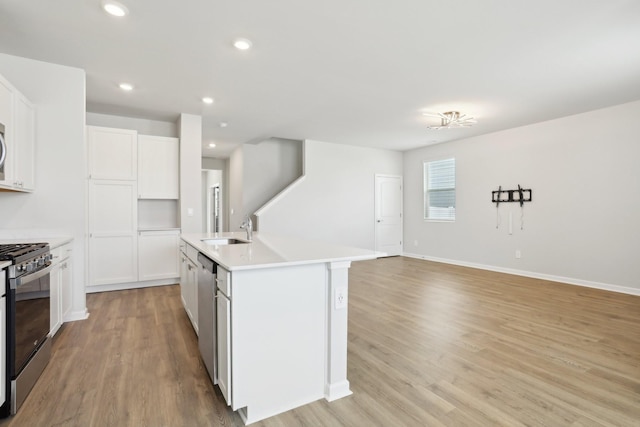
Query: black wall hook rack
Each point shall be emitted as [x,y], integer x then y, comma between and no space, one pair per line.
[520,195]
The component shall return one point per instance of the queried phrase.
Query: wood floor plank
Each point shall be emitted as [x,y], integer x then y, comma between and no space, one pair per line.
[429,345]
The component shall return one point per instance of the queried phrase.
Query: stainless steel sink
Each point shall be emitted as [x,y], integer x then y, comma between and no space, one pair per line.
[223,241]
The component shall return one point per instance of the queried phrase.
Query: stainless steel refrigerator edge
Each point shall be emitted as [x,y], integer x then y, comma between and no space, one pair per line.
[207,270]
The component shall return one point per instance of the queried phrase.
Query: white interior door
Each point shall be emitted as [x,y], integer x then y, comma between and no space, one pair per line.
[388,215]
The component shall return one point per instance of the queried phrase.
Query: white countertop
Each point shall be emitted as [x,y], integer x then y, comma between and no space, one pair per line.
[268,250]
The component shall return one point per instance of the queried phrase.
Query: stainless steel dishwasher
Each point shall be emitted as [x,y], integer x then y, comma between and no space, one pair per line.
[207,270]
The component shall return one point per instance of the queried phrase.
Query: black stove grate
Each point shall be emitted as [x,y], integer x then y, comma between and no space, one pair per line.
[14,251]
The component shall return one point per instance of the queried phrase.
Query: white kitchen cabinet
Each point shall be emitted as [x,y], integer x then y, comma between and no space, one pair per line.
[66,281]
[24,143]
[113,234]
[189,283]
[113,153]
[6,118]
[55,296]
[17,115]
[158,254]
[3,341]
[158,160]
[60,285]
[6,102]
[271,336]
[223,322]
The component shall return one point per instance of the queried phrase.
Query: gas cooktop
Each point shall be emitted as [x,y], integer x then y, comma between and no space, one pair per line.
[19,251]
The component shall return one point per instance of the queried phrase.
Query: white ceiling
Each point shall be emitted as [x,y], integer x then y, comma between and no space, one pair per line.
[357,72]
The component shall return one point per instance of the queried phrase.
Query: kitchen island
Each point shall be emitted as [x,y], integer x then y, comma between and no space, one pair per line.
[282,327]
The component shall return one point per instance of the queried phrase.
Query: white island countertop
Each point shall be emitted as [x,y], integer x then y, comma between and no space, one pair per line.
[269,250]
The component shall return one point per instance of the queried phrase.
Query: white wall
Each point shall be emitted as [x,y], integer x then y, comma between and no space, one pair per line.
[258,172]
[214,163]
[190,134]
[236,211]
[57,207]
[583,225]
[335,200]
[143,126]
[268,168]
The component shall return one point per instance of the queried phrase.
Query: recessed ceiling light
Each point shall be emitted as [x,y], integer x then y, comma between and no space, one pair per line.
[212,145]
[242,44]
[207,100]
[114,8]
[126,86]
[223,124]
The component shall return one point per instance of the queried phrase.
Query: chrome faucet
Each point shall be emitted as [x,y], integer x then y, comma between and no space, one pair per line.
[247,224]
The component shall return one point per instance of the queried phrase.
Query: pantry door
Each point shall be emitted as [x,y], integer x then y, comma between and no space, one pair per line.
[388,214]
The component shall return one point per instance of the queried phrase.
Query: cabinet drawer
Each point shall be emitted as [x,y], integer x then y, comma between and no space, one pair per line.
[61,253]
[55,255]
[65,251]
[223,281]
[192,254]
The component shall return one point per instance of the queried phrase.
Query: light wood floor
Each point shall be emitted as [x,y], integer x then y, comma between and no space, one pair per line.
[429,345]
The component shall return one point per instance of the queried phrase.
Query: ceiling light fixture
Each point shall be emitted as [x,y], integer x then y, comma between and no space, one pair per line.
[242,44]
[114,8]
[223,124]
[452,120]
[126,86]
[207,100]
[212,145]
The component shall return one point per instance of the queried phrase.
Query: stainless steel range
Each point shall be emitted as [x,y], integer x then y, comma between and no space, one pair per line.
[28,319]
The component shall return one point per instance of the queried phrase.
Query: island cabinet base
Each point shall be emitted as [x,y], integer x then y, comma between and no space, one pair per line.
[288,341]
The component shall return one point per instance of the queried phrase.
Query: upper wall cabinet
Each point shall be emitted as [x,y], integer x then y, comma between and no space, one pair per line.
[6,120]
[25,127]
[113,153]
[158,163]
[17,115]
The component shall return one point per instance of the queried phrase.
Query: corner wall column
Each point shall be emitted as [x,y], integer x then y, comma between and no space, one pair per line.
[190,129]
[337,385]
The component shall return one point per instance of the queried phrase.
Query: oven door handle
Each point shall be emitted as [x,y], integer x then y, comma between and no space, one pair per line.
[19,281]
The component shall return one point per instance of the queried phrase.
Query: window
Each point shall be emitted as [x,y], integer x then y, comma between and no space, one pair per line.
[440,190]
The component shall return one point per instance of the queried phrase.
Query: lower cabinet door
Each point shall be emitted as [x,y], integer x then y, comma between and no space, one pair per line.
[3,344]
[66,288]
[55,298]
[224,345]
[158,255]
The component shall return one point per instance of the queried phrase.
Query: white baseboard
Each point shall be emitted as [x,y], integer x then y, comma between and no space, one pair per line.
[552,278]
[131,285]
[76,315]
[337,391]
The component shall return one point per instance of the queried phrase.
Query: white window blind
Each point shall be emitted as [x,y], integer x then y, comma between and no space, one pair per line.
[440,190]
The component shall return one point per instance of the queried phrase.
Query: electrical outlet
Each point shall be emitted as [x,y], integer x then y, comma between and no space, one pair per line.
[518,254]
[341,298]
[189,211]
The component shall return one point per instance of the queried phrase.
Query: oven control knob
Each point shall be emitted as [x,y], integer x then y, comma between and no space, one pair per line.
[40,262]
[30,266]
